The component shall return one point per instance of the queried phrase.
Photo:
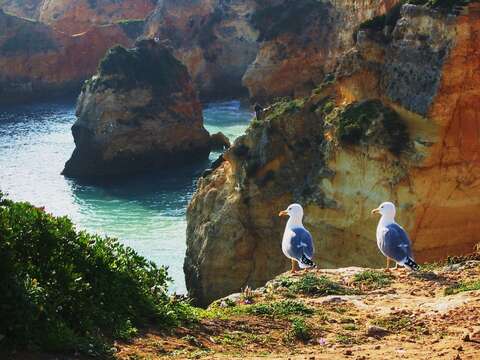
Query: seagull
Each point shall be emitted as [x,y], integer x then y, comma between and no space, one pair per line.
[297,242]
[392,239]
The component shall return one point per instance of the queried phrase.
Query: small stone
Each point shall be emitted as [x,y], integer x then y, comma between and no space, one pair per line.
[348,352]
[466,337]
[377,347]
[377,331]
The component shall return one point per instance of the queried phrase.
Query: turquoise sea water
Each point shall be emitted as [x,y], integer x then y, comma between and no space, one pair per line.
[145,212]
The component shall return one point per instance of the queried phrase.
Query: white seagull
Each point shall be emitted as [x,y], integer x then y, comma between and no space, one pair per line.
[297,242]
[392,239]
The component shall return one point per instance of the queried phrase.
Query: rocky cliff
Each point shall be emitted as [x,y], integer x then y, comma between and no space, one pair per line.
[76,16]
[300,42]
[395,121]
[37,61]
[140,112]
[213,38]
[24,8]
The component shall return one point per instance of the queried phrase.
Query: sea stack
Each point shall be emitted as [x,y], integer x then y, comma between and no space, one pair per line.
[139,113]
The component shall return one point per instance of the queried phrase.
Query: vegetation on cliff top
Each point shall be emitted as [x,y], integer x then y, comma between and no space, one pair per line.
[148,64]
[65,290]
[371,122]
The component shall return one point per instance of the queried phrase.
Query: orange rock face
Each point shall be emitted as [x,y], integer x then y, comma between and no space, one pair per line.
[421,75]
[292,63]
[76,16]
[449,183]
[36,60]
[213,38]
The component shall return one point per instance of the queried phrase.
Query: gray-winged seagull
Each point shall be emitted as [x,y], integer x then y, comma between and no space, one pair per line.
[297,242]
[392,239]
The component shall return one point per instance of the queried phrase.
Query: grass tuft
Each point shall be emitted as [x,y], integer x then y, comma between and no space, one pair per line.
[462,287]
[280,309]
[310,284]
[372,279]
[300,330]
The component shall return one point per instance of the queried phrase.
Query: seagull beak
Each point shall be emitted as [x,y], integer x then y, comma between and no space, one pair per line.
[376,211]
[283,213]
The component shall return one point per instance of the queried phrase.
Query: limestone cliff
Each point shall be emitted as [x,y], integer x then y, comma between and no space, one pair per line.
[396,120]
[24,8]
[37,61]
[76,16]
[139,113]
[213,38]
[300,42]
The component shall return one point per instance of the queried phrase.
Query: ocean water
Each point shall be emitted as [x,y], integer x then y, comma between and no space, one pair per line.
[145,212]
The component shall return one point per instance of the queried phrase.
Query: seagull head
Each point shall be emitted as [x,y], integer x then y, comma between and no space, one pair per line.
[294,211]
[385,209]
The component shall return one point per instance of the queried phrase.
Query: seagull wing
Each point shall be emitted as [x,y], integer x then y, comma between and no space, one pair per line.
[395,243]
[302,247]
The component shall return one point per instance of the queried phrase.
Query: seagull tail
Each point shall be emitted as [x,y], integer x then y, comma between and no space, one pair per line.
[305,262]
[411,264]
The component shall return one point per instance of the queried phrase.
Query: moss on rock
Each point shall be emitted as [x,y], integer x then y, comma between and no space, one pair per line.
[144,65]
[371,122]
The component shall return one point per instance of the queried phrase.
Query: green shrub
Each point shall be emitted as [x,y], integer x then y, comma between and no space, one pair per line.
[371,121]
[300,330]
[372,279]
[65,290]
[310,284]
[146,65]
[280,309]
[462,286]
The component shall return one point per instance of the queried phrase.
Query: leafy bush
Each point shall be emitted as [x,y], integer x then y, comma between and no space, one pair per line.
[372,279]
[319,285]
[300,330]
[66,290]
[371,121]
[280,309]
[147,64]
[462,286]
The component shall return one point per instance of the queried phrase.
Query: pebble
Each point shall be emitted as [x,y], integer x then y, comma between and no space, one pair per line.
[348,352]
[377,347]
[377,331]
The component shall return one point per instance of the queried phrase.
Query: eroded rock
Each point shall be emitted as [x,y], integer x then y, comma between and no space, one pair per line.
[139,113]
[297,154]
[37,61]
[213,38]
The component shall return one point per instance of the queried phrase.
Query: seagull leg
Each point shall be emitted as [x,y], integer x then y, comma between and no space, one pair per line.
[388,264]
[294,266]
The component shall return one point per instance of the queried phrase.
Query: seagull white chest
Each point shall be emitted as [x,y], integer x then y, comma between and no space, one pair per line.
[288,235]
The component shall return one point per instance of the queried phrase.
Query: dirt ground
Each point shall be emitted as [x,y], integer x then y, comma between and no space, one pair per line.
[349,313]
[408,318]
